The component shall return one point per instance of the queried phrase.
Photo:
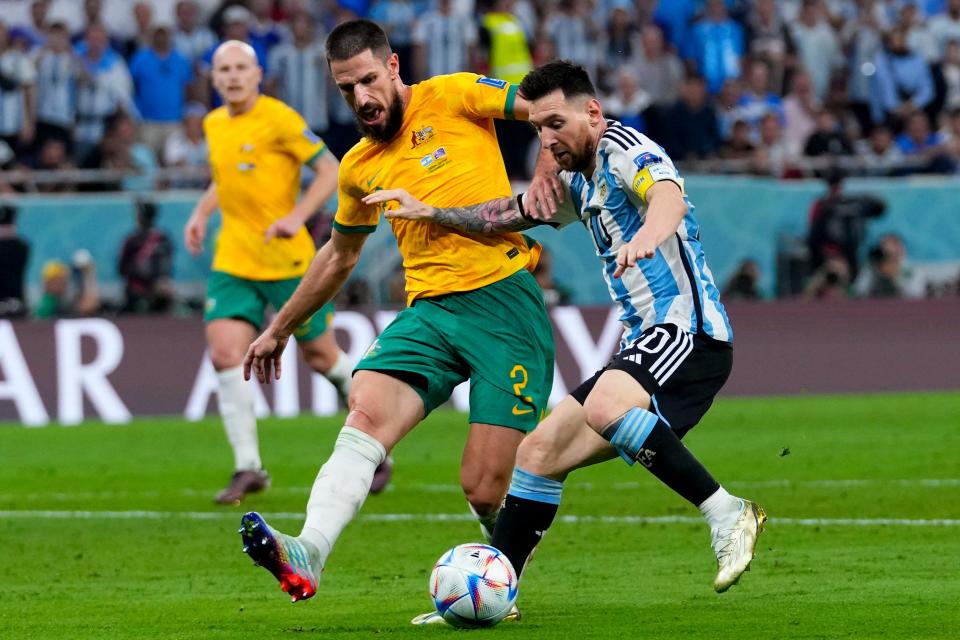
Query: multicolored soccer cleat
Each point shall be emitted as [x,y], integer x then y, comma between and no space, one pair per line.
[282,555]
[735,546]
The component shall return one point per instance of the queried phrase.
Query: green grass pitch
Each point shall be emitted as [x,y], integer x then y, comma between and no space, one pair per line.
[109,532]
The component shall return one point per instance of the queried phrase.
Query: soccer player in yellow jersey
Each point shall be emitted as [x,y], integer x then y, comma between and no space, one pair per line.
[475,311]
[257,145]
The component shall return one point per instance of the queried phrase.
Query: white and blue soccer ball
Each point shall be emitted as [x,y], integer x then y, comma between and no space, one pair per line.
[473,585]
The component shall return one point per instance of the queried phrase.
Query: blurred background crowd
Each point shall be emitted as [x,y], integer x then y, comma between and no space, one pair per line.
[110,95]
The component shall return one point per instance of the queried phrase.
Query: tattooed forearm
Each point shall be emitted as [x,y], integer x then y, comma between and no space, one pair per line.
[493,216]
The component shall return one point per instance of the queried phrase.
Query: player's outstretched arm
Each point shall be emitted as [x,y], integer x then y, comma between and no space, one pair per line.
[330,268]
[493,216]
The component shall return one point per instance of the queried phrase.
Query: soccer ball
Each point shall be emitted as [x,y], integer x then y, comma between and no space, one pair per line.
[473,585]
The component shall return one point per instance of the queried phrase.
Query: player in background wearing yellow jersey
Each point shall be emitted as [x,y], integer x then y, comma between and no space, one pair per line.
[475,312]
[257,145]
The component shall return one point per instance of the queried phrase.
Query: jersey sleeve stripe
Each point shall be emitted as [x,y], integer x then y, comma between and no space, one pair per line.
[627,132]
[313,158]
[362,228]
[618,138]
[511,99]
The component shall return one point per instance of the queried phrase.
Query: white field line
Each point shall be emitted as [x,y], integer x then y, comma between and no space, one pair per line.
[455,488]
[464,517]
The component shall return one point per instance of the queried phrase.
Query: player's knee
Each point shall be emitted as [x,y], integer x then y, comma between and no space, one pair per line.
[603,407]
[226,356]
[319,360]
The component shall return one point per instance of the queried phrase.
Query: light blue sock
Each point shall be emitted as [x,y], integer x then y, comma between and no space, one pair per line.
[530,486]
[628,433]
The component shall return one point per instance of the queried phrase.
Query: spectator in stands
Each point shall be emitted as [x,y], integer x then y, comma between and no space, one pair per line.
[902,82]
[946,26]
[879,153]
[744,283]
[161,77]
[146,264]
[574,33]
[17,94]
[827,138]
[674,18]
[831,281]
[443,42]
[926,150]
[105,87]
[263,28]
[951,134]
[53,156]
[120,151]
[36,30]
[756,101]
[660,73]
[726,106]
[57,301]
[772,156]
[769,40]
[800,108]
[692,126]
[58,77]
[191,38]
[299,74]
[818,46]
[738,146]
[620,41]
[186,148]
[716,45]
[950,69]
[628,102]
[917,32]
[142,36]
[14,253]
[863,38]
[838,225]
[397,17]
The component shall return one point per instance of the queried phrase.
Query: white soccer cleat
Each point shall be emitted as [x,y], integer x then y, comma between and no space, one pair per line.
[735,546]
[435,618]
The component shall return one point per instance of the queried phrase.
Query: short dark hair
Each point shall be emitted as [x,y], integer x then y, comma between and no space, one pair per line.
[570,78]
[354,37]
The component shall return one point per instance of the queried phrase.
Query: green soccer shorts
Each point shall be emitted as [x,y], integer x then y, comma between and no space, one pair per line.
[242,299]
[499,337]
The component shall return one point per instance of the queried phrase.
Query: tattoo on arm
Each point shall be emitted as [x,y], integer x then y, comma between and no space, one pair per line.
[493,216]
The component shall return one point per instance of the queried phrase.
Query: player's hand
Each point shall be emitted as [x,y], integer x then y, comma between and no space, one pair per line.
[410,208]
[194,234]
[285,227]
[639,248]
[263,358]
[543,197]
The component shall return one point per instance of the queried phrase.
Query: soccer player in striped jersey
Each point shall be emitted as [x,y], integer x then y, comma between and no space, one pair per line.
[676,351]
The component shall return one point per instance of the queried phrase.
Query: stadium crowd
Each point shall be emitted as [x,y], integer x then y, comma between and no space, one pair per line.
[768,87]
[786,88]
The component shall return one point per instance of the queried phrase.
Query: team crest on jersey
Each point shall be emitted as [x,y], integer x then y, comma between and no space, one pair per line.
[417,138]
[602,190]
[492,82]
[436,160]
[646,159]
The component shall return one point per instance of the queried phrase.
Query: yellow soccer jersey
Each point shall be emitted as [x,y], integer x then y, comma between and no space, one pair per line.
[445,154]
[256,159]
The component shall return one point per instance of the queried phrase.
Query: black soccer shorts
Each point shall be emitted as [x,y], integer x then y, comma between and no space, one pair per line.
[681,371]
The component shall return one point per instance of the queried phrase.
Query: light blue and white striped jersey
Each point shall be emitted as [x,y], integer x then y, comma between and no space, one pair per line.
[57,78]
[675,286]
[303,80]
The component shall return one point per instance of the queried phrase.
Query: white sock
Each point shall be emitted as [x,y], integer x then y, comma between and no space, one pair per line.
[340,489]
[239,420]
[720,509]
[340,374]
[487,522]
